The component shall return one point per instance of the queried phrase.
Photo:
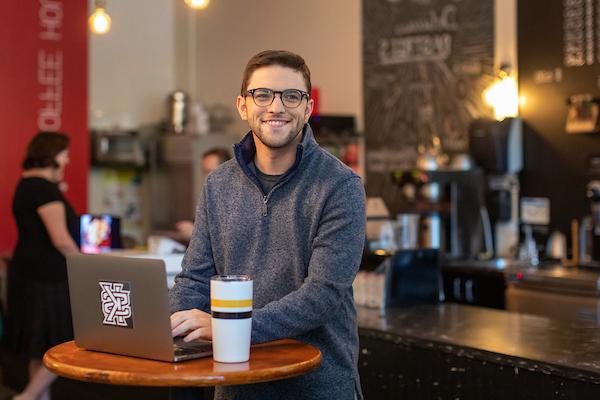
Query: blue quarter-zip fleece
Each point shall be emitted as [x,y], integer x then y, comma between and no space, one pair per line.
[301,243]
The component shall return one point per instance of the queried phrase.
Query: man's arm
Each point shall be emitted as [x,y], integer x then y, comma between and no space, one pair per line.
[336,254]
[192,284]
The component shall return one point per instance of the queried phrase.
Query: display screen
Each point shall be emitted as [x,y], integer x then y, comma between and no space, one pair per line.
[98,233]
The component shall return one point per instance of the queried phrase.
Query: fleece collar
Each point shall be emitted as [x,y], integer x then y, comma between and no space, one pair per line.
[244,152]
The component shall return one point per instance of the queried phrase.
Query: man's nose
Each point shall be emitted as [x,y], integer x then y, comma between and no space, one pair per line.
[277,104]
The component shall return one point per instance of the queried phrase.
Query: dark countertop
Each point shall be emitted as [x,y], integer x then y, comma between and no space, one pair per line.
[558,279]
[549,275]
[497,265]
[539,344]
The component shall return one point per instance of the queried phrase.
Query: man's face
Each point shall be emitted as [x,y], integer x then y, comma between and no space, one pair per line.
[276,126]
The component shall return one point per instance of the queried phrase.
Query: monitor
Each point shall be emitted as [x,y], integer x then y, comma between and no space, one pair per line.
[99,233]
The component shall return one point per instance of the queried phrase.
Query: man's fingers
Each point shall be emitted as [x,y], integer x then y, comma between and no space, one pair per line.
[186,326]
[200,333]
[181,316]
[187,321]
[180,330]
[176,320]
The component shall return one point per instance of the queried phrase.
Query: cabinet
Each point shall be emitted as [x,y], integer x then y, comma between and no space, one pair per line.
[474,286]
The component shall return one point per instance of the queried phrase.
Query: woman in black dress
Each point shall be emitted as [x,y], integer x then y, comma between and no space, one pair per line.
[39,314]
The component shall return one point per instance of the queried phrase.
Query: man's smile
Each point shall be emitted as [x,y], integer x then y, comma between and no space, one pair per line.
[276,123]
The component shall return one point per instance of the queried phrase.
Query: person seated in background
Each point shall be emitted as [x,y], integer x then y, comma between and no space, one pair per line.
[210,161]
[39,312]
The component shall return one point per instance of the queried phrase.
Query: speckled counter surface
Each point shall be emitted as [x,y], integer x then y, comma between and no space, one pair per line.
[536,344]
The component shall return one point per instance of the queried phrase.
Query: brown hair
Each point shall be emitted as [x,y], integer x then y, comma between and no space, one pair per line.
[43,148]
[220,152]
[282,58]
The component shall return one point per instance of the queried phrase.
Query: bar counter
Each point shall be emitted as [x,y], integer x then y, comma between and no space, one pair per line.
[455,351]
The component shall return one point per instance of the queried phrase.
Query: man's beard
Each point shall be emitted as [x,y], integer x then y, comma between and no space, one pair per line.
[275,141]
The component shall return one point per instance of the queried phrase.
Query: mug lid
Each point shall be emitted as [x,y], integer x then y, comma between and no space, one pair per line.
[230,278]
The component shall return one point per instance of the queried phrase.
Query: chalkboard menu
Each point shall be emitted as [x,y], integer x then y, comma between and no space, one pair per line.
[559,60]
[426,65]
[579,38]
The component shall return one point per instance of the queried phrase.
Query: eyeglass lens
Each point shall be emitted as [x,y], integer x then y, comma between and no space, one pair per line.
[290,97]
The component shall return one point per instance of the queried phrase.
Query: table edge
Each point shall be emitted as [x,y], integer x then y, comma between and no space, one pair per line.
[86,374]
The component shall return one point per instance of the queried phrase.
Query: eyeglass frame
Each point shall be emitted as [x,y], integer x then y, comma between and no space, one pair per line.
[250,92]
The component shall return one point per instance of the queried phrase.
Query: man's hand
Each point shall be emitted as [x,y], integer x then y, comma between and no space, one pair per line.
[194,324]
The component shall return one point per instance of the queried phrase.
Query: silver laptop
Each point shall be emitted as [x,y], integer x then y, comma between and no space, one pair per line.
[120,305]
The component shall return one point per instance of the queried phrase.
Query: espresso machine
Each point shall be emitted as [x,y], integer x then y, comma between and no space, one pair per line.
[448,205]
[497,147]
[589,230]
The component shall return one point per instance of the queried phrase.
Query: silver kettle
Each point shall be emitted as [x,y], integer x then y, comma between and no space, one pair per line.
[557,246]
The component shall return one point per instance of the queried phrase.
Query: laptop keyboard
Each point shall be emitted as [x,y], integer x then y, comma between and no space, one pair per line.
[181,348]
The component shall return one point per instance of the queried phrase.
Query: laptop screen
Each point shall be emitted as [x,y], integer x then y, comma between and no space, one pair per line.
[99,233]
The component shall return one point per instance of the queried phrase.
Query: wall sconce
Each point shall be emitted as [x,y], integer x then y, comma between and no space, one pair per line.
[503,95]
[197,4]
[99,20]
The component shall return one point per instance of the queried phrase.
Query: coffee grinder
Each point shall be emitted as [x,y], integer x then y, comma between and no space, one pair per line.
[497,146]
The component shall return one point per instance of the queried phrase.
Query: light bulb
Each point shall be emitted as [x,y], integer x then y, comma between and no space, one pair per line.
[99,21]
[197,4]
[503,96]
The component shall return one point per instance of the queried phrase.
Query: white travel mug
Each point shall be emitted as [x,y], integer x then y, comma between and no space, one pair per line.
[231,313]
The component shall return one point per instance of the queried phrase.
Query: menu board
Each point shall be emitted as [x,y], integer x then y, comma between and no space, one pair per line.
[426,65]
[579,38]
[565,40]
[559,64]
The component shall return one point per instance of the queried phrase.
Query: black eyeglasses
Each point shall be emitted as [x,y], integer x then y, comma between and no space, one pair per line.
[291,98]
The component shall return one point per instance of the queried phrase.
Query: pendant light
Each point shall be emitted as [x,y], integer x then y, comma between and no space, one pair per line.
[503,95]
[197,4]
[99,20]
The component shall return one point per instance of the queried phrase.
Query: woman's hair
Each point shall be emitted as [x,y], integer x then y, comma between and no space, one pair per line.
[43,148]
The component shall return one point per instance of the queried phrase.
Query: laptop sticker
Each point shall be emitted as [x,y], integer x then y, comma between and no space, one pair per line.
[115,298]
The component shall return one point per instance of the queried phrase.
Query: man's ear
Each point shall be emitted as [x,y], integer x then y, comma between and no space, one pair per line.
[309,108]
[242,108]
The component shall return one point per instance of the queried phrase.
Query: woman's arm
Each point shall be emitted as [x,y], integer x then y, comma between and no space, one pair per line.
[53,216]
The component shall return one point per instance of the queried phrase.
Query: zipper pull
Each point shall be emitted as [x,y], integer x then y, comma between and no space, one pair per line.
[264,206]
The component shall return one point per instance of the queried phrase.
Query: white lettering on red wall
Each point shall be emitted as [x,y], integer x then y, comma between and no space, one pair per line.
[50,66]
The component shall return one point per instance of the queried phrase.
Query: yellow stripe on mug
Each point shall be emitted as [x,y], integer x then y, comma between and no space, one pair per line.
[230,303]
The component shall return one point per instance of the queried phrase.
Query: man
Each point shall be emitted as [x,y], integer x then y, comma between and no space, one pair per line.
[211,159]
[214,157]
[291,216]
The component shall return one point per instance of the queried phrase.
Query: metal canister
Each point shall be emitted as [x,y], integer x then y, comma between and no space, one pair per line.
[431,230]
[407,231]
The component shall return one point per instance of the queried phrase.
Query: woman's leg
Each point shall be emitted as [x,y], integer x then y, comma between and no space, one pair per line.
[40,379]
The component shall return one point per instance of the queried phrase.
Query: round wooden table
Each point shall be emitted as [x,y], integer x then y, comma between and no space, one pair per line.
[268,361]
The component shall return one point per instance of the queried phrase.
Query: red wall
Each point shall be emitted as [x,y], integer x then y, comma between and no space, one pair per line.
[43,86]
